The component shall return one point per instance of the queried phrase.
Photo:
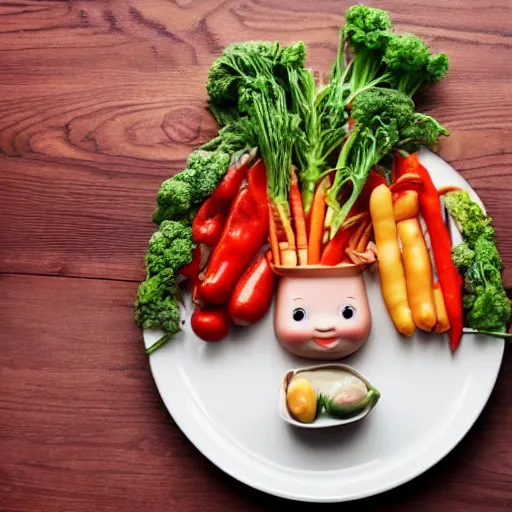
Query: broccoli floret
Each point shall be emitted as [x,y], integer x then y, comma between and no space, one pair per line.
[481,273]
[367,31]
[437,67]
[422,129]
[386,105]
[173,200]
[170,248]
[468,216]
[187,189]
[409,63]
[377,105]
[486,301]
[468,301]
[462,256]
[486,251]
[490,310]
[156,306]
[216,160]
[361,20]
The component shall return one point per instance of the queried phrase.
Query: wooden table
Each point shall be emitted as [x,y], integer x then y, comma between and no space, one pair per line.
[102,101]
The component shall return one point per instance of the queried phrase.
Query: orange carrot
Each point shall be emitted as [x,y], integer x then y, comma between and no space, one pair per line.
[317,222]
[284,234]
[299,220]
[274,244]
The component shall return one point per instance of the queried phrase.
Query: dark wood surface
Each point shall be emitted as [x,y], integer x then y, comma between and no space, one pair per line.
[101,101]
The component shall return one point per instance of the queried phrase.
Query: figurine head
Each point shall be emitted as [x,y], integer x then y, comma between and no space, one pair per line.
[322,313]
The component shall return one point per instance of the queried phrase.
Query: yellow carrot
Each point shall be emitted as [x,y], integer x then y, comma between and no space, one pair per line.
[405,205]
[442,322]
[391,269]
[418,273]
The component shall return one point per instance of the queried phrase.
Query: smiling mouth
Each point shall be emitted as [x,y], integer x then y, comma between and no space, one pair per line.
[326,343]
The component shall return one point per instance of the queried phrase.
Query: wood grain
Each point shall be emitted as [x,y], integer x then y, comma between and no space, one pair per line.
[102,101]
[112,96]
[82,425]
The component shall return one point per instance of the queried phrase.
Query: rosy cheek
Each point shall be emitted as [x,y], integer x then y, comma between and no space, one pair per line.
[353,331]
[293,334]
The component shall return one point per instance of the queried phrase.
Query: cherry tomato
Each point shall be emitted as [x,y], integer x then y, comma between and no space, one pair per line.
[210,324]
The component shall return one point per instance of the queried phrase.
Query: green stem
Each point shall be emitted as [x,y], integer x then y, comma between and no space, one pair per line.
[160,343]
[370,85]
[503,335]
[308,193]
[341,214]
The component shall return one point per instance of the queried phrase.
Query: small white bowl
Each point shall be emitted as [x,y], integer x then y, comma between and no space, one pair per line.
[323,421]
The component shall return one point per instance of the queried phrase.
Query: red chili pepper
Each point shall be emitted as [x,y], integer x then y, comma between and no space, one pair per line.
[244,234]
[253,293]
[210,219]
[335,249]
[448,275]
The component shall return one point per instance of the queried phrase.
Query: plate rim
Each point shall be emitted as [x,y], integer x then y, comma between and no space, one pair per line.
[454,441]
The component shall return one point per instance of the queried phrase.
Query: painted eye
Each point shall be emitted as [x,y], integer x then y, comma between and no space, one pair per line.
[299,314]
[347,312]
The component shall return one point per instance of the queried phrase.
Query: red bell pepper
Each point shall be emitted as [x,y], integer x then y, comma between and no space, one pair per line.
[253,293]
[210,219]
[244,234]
[448,275]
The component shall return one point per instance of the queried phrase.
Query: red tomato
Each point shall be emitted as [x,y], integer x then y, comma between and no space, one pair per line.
[210,324]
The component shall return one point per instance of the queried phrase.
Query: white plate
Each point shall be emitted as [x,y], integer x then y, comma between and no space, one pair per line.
[224,397]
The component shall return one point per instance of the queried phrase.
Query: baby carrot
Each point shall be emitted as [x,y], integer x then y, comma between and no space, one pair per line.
[391,269]
[317,222]
[299,220]
[272,236]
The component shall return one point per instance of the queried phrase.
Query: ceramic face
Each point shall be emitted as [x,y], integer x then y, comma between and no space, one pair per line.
[322,317]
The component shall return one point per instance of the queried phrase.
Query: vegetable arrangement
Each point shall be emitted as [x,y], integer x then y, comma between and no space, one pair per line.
[306,173]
